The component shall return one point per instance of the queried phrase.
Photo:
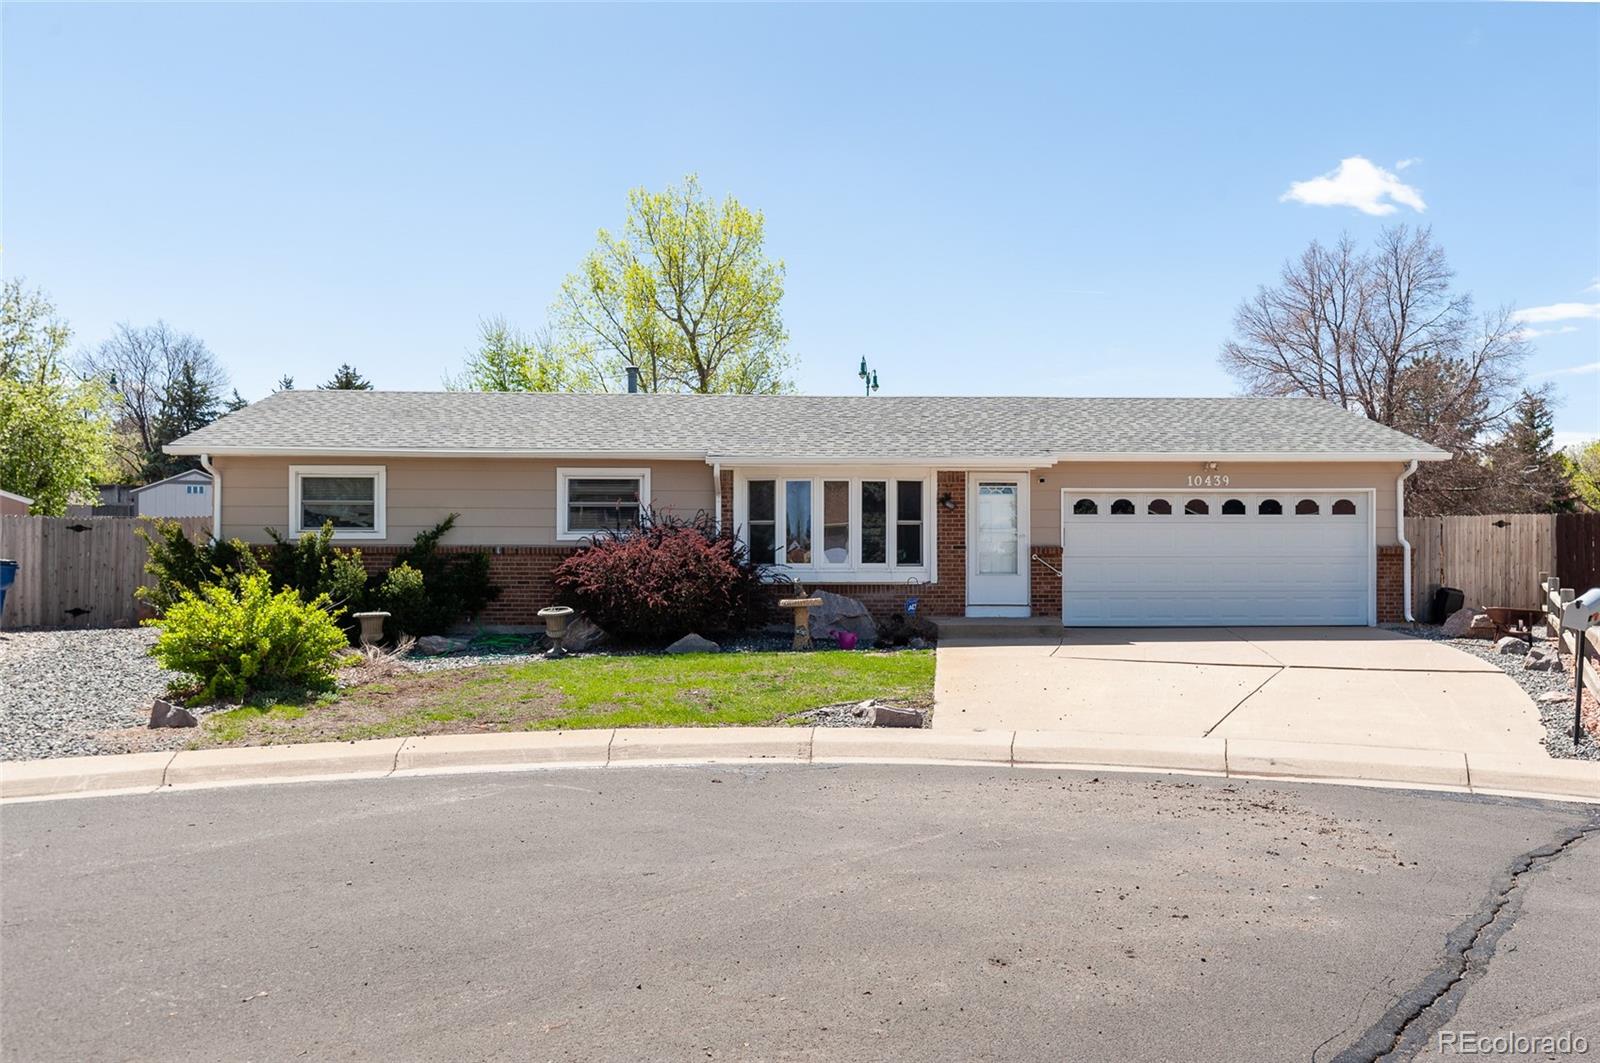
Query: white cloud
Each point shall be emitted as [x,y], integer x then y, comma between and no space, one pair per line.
[1406,164]
[1572,370]
[1358,183]
[1543,315]
[1535,333]
[1594,287]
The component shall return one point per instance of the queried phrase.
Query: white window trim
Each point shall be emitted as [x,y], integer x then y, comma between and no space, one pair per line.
[566,474]
[854,570]
[380,498]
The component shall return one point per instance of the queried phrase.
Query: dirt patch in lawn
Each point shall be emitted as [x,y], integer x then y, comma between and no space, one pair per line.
[453,702]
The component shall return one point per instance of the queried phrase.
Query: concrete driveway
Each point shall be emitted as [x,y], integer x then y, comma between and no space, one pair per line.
[1354,686]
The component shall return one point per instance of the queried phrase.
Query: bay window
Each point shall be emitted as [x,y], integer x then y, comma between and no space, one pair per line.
[836,524]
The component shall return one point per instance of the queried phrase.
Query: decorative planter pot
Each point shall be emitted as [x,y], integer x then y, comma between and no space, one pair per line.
[372,627]
[555,619]
[847,640]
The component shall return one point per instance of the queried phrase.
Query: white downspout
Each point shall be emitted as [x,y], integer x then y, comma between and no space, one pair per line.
[216,497]
[716,477]
[1405,544]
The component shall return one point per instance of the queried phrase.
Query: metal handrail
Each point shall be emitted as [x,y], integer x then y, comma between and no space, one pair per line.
[1048,565]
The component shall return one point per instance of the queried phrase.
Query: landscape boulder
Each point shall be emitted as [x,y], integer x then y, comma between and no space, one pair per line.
[584,636]
[435,645]
[1458,623]
[891,716]
[693,643]
[841,613]
[1511,644]
[900,629]
[166,714]
[1540,659]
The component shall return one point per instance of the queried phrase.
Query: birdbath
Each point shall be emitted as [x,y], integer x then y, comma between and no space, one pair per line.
[802,619]
[371,627]
[555,619]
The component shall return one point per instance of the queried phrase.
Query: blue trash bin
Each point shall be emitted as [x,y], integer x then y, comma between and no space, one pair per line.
[8,576]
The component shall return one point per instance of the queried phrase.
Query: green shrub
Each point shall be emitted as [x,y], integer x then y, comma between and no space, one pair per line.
[455,586]
[180,565]
[237,637]
[403,593]
[313,566]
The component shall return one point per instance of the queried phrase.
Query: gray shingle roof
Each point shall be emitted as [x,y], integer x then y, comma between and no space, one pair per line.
[798,427]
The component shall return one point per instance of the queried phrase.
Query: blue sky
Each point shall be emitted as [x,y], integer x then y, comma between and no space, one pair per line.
[1066,200]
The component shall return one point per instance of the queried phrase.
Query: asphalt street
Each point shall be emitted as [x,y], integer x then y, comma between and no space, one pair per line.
[798,912]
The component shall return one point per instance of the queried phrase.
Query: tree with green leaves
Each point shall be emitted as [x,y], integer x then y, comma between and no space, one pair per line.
[686,293]
[508,359]
[1582,463]
[345,378]
[55,437]
[285,383]
[237,402]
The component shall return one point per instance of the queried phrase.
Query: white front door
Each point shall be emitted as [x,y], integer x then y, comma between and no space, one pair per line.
[997,544]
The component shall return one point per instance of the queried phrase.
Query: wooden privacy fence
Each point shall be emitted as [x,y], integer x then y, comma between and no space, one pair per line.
[77,571]
[1496,559]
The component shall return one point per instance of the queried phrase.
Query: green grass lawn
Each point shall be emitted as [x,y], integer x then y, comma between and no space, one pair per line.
[690,690]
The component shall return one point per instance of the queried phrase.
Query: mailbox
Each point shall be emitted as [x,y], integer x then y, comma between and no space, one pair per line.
[1582,613]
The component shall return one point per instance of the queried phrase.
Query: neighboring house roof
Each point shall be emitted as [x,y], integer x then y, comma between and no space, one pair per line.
[795,428]
[17,498]
[186,476]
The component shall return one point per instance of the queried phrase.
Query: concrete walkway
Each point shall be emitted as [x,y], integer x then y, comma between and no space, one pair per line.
[1348,686]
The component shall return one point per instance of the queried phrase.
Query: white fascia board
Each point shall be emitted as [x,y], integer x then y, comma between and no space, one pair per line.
[1262,456]
[878,461]
[435,452]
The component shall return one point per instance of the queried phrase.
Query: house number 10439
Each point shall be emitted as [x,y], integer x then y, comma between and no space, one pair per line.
[1209,480]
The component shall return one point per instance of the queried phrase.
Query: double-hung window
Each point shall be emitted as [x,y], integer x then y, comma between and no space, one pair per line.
[350,497]
[589,501]
[837,525]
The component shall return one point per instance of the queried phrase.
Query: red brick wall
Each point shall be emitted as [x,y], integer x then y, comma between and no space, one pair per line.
[725,498]
[521,572]
[1045,584]
[1391,585]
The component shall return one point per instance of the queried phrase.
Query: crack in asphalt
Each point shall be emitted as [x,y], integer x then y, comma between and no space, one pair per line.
[1468,950]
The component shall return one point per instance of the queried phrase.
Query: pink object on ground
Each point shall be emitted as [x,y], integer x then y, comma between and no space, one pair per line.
[847,640]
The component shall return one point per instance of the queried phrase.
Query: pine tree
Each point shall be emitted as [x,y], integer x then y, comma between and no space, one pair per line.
[1529,474]
[238,402]
[190,404]
[345,378]
[285,383]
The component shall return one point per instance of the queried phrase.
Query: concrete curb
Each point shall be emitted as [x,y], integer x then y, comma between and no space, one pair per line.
[1479,773]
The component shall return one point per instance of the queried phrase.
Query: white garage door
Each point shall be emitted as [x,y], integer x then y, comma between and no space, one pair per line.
[1183,559]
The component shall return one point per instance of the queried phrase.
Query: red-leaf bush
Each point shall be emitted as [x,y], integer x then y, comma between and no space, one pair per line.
[665,579]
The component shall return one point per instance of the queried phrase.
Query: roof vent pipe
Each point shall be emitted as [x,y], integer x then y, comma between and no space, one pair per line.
[633,380]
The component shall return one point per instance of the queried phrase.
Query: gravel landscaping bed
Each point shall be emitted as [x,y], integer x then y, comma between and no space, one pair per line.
[1556,715]
[77,693]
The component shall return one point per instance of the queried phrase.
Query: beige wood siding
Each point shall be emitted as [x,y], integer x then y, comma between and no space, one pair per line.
[1174,477]
[502,501]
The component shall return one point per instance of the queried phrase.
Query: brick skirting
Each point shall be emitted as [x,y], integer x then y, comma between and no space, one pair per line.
[521,572]
[1391,584]
[1044,584]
